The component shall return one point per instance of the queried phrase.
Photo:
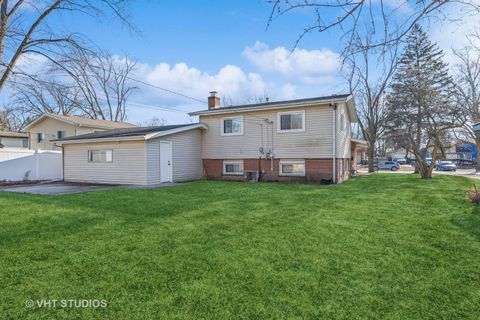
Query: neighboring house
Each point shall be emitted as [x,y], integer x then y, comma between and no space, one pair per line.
[11,139]
[52,126]
[141,155]
[305,140]
[360,154]
[400,153]
[463,153]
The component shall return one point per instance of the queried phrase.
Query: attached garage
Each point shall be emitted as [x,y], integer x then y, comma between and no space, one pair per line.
[137,156]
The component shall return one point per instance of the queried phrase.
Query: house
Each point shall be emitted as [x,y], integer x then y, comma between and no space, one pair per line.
[462,152]
[53,126]
[138,156]
[304,140]
[11,139]
[360,154]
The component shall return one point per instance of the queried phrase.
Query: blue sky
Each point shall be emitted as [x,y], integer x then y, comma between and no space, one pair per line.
[194,47]
[213,45]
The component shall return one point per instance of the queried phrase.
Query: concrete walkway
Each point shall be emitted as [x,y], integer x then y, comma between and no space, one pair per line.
[59,188]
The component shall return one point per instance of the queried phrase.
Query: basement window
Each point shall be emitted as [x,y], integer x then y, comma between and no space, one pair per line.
[233,167]
[100,156]
[292,168]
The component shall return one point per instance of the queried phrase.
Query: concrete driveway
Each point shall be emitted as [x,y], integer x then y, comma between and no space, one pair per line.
[56,188]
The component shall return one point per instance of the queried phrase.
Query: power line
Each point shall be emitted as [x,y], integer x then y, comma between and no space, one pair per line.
[167,90]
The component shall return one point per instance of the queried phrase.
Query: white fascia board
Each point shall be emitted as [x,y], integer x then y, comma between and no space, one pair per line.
[43,116]
[112,139]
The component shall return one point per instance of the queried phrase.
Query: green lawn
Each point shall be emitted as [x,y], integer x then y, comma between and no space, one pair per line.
[380,247]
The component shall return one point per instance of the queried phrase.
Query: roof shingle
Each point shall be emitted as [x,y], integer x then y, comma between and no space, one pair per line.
[125,132]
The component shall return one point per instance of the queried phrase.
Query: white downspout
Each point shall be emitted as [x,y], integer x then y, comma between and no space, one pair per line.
[334,157]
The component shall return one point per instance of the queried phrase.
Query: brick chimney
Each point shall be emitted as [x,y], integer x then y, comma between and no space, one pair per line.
[213,100]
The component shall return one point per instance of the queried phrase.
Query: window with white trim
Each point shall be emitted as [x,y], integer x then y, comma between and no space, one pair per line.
[40,137]
[292,167]
[291,121]
[61,134]
[232,126]
[233,167]
[100,155]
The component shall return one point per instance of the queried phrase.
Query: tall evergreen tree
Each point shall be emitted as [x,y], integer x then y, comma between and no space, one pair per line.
[421,111]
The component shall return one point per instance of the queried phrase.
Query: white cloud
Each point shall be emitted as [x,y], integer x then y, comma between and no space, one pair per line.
[31,63]
[307,66]
[301,73]
[230,81]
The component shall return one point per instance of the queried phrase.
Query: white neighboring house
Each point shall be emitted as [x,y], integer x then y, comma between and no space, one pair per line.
[12,139]
[137,156]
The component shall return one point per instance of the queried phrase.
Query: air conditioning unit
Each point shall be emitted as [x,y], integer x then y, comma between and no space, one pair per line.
[251,176]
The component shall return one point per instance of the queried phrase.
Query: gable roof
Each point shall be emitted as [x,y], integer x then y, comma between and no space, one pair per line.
[82,122]
[137,133]
[13,134]
[346,98]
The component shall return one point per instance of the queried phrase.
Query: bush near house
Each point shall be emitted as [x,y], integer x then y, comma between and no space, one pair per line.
[385,246]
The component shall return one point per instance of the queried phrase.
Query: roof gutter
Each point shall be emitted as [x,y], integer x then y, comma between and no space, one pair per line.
[109,139]
[146,136]
[334,153]
[277,106]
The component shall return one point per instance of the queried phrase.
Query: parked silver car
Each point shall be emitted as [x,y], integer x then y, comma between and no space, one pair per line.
[387,165]
[445,166]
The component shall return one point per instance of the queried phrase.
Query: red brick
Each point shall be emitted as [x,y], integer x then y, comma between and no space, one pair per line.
[316,170]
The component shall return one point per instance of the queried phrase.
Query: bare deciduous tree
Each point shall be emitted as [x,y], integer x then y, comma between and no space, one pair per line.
[467,82]
[385,17]
[154,122]
[35,97]
[370,71]
[24,29]
[102,81]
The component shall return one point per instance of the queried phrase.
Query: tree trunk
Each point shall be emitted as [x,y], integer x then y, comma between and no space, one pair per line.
[371,157]
[477,150]
[426,172]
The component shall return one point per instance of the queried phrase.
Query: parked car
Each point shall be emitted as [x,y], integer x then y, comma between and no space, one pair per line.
[387,165]
[400,161]
[445,166]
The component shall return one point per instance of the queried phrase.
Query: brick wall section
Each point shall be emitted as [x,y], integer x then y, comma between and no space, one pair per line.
[316,170]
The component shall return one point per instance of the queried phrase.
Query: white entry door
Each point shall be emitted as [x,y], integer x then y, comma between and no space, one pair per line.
[165,161]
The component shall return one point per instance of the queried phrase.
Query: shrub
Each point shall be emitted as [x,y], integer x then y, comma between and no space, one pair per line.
[474,195]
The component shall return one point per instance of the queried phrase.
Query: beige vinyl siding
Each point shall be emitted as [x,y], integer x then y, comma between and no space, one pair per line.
[127,167]
[50,127]
[343,136]
[186,156]
[314,142]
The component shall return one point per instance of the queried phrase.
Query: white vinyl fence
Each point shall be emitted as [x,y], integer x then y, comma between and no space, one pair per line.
[19,164]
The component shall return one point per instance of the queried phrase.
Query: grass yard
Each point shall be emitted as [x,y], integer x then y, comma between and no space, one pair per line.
[380,247]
